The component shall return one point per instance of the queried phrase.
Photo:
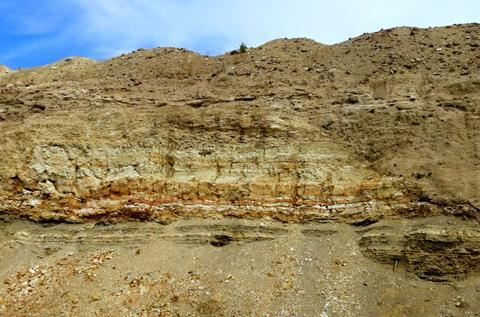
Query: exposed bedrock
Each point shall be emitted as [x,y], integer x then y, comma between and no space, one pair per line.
[293,130]
[433,249]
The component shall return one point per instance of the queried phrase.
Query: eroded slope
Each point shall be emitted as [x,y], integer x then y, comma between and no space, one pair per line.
[381,126]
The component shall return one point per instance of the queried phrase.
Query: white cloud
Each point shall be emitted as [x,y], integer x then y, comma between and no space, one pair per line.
[105,28]
[122,25]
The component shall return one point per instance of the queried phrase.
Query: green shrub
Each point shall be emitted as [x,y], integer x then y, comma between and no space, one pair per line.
[243,48]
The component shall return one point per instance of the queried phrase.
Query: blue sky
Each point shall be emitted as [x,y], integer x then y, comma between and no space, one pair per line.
[36,32]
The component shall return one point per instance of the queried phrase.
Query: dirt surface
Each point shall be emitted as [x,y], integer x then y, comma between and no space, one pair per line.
[295,179]
[234,267]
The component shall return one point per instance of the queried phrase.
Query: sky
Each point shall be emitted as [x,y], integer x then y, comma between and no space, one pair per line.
[38,32]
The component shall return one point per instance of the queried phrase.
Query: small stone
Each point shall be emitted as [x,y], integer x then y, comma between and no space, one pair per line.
[96,296]
[459,302]
[245,98]
[196,103]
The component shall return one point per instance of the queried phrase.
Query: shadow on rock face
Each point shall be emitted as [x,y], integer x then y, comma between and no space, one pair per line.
[436,253]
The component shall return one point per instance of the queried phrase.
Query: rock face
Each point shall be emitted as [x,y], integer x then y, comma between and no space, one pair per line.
[433,251]
[355,165]
[382,126]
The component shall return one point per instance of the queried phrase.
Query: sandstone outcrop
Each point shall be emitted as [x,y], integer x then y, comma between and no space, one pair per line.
[381,126]
[294,179]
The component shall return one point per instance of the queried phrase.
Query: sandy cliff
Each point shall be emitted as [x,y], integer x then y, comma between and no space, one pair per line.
[369,132]
[381,126]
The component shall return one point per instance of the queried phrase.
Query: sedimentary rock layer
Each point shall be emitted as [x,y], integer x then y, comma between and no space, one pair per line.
[385,125]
